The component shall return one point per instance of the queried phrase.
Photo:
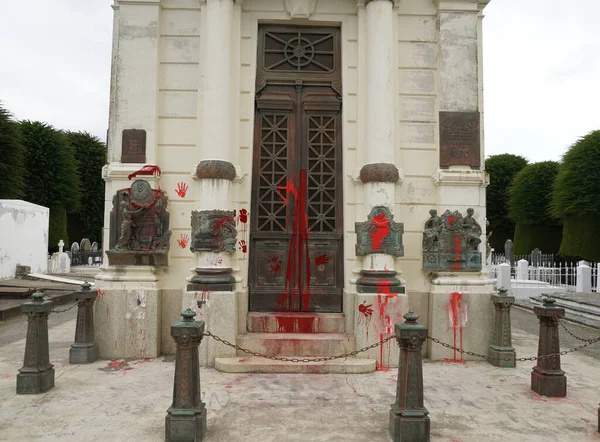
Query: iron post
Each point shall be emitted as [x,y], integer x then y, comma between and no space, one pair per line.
[37,374]
[547,379]
[501,350]
[186,417]
[409,420]
[85,349]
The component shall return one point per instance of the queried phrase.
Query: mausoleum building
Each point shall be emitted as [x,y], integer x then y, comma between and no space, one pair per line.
[272,164]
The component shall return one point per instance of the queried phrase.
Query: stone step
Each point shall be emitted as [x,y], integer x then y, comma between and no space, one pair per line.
[255,364]
[295,322]
[294,344]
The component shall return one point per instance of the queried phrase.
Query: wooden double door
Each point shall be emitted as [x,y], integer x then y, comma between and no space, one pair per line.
[296,229]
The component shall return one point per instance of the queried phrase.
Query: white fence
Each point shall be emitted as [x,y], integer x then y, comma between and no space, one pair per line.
[526,280]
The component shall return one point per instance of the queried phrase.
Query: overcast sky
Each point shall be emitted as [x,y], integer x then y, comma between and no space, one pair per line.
[541,69]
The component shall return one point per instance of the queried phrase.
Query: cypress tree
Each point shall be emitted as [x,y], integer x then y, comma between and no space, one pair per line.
[51,176]
[530,196]
[502,169]
[576,198]
[12,158]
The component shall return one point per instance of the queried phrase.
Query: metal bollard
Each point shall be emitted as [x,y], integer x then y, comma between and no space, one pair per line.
[186,417]
[547,379]
[84,350]
[37,374]
[409,420]
[501,347]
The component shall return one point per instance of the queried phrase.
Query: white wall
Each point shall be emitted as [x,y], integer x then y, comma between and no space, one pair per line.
[23,236]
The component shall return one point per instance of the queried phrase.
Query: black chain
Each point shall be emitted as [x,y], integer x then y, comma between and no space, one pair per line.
[532,358]
[284,359]
[65,310]
[573,334]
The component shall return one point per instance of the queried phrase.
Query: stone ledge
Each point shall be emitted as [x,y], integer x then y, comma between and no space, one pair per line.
[461,177]
[255,364]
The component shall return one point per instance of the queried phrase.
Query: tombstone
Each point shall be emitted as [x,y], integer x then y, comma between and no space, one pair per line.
[60,261]
[523,269]
[94,247]
[74,248]
[536,257]
[509,254]
[86,245]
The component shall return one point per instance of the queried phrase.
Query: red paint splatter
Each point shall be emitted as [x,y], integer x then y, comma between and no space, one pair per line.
[298,269]
[457,315]
[322,259]
[243,246]
[366,310]
[382,368]
[106,311]
[274,264]
[183,240]
[115,364]
[380,227]
[243,217]
[181,189]
[148,169]
[587,421]
[293,324]
[101,295]
[215,262]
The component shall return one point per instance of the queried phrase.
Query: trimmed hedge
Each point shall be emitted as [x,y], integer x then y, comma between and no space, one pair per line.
[545,237]
[12,158]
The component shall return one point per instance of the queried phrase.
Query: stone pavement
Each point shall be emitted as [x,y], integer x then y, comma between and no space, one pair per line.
[127,401]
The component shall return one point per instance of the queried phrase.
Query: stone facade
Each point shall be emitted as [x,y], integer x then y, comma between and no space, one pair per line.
[184,71]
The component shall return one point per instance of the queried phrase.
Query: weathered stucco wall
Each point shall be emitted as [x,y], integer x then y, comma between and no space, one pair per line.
[23,237]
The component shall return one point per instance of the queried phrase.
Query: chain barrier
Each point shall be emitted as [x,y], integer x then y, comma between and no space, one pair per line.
[531,358]
[64,310]
[587,342]
[285,359]
[573,334]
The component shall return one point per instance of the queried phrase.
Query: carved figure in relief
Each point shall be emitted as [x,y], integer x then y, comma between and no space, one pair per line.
[473,229]
[432,231]
[127,226]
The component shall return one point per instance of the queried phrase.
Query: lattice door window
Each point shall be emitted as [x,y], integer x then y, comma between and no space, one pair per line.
[321,155]
[273,171]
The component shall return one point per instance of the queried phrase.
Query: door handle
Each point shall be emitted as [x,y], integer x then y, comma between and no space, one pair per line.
[272,243]
[321,243]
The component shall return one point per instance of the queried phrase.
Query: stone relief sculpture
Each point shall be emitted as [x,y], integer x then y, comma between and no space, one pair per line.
[213,231]
[139,226]
[379,234]
[450,242]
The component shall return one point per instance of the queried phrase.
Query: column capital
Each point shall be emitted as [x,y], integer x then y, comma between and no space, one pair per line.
[366,2]
[460,5]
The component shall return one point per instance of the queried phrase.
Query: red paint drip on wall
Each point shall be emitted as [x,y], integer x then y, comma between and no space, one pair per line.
[380,227]
[457,315]
[383,297]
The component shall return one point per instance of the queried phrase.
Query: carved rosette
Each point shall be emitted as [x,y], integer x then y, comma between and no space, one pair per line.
[379,234]
[379,173]
[213,231]
[216,170]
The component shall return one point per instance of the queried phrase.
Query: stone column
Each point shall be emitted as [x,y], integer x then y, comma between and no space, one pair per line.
[37,374]
[214,234]
[379,238]
[501,347]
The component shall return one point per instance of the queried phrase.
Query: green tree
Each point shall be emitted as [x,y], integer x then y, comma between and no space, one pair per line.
[90,154]
[12,158]
[502,169]
[51,176]
[576,198]
[529,202]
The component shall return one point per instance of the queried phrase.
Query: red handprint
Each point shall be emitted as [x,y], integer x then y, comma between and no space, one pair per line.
[243,216]
[181,189]
[242,246]
[183,240]
[274,264]
[366,310]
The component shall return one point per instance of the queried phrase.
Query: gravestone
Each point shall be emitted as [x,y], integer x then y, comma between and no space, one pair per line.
[94,247]
[60,261]
[74,248]
[86,245]
[509,254]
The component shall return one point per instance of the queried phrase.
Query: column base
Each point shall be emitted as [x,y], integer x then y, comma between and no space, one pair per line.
[181,426]
[35,382]
[549,384]
[379,281]
[409,425]
[502,354]
[83,353]
[212,279]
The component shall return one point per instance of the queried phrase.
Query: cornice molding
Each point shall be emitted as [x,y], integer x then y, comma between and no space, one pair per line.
[137,2]
[460,5]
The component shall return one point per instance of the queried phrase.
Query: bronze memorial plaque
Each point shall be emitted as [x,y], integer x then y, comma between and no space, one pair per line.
[460,139]
[134,146]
